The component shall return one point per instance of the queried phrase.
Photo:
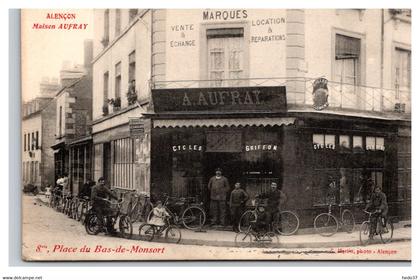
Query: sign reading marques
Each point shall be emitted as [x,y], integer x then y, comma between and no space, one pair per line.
[238,99]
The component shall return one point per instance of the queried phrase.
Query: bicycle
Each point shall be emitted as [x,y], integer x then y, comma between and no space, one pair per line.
[252,235]
[326,224]
[385,233]
[191,215]
[139,207]
[57,201]
[148,232]
[286,222]
[82,208]
[124,224]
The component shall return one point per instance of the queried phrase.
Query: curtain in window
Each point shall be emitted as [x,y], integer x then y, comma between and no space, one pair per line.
[403,69]
[225,57]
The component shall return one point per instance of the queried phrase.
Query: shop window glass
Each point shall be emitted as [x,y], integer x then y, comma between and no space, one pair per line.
[344,141]
[187,157]
[325,187]
[370,143]
[318,141]
[345,184]
[379,145]
[357,144]
[330,141]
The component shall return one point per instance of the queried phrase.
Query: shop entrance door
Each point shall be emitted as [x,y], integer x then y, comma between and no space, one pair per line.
[230,163]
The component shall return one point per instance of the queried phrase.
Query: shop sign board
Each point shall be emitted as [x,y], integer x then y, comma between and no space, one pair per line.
[136,126]
[237,99]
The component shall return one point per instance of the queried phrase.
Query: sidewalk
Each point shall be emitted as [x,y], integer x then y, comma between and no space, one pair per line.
[213,237]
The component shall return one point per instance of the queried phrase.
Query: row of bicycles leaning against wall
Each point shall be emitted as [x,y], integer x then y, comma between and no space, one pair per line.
[135,216]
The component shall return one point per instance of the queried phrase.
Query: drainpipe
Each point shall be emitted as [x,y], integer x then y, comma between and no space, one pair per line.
[382,58]
[151,53]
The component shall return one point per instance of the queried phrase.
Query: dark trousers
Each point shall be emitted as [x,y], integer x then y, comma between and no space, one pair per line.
[271,216]
[101,212]
[217,212]
[235,215]
[377,223]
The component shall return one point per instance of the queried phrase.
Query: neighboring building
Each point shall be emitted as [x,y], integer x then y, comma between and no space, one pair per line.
[38,124]
[72,145]
[240,90]
[121,68]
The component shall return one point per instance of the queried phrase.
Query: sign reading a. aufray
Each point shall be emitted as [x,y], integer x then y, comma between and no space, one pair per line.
[220,99]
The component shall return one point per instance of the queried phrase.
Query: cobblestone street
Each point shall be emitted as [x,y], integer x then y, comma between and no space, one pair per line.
[53,236]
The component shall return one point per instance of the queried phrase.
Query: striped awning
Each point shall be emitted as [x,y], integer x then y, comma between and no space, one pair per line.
[237,122]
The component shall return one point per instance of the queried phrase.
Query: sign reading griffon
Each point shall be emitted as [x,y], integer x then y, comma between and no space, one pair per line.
[320,94]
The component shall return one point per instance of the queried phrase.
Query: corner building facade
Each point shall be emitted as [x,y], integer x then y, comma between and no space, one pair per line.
[239,89]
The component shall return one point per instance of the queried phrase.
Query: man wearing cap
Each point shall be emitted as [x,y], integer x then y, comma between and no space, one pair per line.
[100,197]
[275,198]
[218,187]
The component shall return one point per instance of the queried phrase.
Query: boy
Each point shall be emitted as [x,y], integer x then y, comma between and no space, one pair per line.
[238,197]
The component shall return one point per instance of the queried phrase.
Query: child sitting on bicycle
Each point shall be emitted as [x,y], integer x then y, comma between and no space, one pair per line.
[260,224]
[379,206]
[159,215]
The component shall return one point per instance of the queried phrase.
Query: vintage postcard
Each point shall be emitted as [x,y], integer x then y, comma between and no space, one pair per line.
[216,134]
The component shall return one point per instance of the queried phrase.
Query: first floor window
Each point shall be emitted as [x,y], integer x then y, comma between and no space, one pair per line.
[226,56]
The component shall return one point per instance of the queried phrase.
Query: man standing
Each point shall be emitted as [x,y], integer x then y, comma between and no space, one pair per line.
[218,187]
[100,197]
[275,198]
[238,197]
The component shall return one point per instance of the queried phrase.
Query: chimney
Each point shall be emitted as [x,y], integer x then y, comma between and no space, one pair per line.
[88,55]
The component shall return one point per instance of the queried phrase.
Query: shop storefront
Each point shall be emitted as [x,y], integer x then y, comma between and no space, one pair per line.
[195,131]
[192,134]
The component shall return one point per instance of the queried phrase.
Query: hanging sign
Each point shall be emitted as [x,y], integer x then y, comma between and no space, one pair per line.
[320,94]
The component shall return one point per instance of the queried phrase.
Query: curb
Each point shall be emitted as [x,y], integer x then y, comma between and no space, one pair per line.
[224,243]
[327,244]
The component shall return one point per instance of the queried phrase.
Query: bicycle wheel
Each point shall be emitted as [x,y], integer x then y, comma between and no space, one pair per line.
[146,232]
[246,219]
[149,216]
[79,210]
[92,225]
[326,224]
[125,226]
[243,239]
[173,234]
[73,211]
[288,224]
[364,233]
[387,232]
[347,219]
[193,217]
[269,239]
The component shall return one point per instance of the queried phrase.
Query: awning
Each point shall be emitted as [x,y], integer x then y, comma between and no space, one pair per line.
[237,122]
[59,145]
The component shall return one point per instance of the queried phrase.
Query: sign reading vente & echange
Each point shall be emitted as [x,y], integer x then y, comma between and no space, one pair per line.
[251,99]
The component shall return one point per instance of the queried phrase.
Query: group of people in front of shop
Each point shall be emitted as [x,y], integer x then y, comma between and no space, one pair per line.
[218,187]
